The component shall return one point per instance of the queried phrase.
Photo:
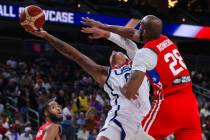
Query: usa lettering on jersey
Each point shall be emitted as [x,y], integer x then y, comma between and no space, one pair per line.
[122,70]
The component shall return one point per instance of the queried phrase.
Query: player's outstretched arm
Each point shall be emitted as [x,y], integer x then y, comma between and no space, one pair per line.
[127,44]
[98,72]
[126,32]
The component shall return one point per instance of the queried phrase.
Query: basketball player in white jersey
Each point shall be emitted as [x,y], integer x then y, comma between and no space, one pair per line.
[117,78]
[123,120]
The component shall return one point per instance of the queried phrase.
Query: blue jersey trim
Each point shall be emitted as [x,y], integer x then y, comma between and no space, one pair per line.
[115,95]
[109,72]
[102,130]
[123,134]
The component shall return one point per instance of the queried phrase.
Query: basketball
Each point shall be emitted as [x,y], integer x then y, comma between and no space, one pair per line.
[32,18]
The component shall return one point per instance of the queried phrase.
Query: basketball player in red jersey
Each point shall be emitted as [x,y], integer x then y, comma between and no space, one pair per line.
[175,109]
[51,129]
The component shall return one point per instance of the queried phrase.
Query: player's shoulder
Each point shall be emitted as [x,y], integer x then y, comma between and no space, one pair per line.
[144,52]
[52,126]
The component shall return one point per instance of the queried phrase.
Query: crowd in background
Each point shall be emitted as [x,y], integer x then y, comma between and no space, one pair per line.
[203,79]
[84,103]
[31,84]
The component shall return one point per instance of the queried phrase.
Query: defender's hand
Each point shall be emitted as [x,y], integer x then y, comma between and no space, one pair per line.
[96,33]
[92,23]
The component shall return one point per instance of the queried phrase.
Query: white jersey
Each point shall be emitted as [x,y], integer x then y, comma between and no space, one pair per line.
[122,107]
[123,120]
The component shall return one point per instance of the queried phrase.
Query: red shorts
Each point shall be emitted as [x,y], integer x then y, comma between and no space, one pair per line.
[174,114]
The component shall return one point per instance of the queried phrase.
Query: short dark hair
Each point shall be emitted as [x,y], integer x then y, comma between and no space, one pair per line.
[46,105]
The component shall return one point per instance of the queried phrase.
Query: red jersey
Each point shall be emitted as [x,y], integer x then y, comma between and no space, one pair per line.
[170,74]
[41,131]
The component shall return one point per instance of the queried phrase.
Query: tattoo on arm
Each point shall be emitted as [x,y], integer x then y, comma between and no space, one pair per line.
[134,75]
[134,83]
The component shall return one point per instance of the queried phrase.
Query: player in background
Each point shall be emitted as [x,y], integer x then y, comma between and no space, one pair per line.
[53,115]
[175,108]
[120,124]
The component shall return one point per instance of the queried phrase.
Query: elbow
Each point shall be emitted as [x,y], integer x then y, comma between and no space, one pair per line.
[127,95]
[131,95]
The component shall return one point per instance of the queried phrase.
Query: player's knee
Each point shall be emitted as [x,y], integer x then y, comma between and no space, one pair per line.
[102,138]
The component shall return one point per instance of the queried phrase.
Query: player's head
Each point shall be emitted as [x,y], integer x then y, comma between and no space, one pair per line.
[151,28]
[117,59]
[82,93]
[52,111]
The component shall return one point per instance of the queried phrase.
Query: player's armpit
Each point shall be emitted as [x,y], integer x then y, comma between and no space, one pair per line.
[133,84]
[51,132]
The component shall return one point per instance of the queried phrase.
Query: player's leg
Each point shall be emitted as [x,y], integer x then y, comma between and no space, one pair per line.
[161,120]
[102,138]
[141,135]
[187,135]
[109,132]
[191,129]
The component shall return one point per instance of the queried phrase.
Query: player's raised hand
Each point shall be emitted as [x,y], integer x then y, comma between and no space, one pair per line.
[95,33]
[41,33]
[91,22]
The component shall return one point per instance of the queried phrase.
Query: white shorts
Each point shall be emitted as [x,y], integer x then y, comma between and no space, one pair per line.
[119,130]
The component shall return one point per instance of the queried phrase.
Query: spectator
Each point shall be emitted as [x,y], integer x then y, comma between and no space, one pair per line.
[83,101]
[81,120]
[68,132]
[1,107]
[205,112]
[3,130]
[22,102]
[82,134]
[12,133]
[93,135]
[5,121]
[91,120]
[11,63]
[99,98]
[75,108]
[61,97]
[26,135]
[67,111]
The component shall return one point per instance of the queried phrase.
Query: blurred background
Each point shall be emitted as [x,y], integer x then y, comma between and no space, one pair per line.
[31,71]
